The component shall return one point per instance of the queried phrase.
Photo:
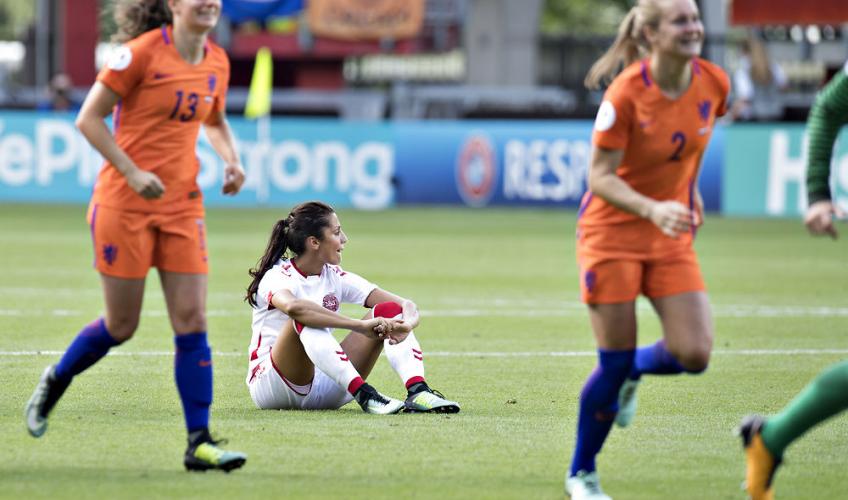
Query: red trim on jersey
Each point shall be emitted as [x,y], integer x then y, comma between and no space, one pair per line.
[284,379]
[270,298]
[253,372]
[414,380]
[298,327]
[298,269]
[355,384]
[387,310]
[255,353]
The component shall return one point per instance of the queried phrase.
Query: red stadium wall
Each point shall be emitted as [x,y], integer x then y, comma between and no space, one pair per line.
[79,25]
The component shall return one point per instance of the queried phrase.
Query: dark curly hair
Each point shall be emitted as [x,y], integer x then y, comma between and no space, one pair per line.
[134,17]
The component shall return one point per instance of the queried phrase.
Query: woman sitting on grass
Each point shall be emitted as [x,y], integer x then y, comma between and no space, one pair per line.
[295,362]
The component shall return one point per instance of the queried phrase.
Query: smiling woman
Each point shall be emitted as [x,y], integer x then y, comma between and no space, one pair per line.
[164,82]
[638,220]
[295,362]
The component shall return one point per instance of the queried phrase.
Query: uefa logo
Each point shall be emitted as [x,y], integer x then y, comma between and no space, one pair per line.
[476,170]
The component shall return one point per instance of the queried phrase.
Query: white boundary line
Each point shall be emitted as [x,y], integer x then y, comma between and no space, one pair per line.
[476,354]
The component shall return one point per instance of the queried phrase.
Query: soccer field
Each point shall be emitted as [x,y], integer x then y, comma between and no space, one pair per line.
[503,333]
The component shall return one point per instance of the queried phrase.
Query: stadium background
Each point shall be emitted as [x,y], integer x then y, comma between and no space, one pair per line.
[456,154]
[467,82]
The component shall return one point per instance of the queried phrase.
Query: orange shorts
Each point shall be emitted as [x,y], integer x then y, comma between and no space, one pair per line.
[618,263]
[128,244]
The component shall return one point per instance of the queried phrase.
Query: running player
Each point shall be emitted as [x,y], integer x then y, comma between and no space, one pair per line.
[297,288]
[161,85]
[637,221]
[765,439]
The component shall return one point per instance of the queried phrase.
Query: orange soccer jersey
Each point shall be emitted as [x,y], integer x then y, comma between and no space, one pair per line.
[163,101]
[620,254]
[663,139]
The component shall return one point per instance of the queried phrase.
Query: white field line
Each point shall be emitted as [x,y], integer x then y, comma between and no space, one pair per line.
[474,354]
[522,307]
[565,310]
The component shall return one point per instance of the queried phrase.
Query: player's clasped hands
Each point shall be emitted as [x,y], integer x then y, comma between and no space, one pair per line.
[145,183]
[819,218]
[393,330]
[671,217]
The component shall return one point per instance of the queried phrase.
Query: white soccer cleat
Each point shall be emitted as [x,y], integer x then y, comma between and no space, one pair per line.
[585,486]
[43,399]
[626,403]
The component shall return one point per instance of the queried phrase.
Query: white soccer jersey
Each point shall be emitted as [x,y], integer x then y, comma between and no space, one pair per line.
[332,287]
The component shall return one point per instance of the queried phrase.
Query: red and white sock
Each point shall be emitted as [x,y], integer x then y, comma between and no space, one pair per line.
[407,359]
[326,353]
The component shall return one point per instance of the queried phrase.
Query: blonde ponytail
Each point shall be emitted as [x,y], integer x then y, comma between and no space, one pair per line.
[624,50]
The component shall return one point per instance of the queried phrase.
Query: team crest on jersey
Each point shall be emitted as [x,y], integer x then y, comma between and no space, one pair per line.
[331,302]
[212,81]
[120,58]
[476,170]
[704,109]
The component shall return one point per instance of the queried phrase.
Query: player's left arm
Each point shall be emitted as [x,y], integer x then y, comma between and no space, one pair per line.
[224,142]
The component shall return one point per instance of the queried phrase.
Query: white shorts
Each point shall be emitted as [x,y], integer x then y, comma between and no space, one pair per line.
[271,391]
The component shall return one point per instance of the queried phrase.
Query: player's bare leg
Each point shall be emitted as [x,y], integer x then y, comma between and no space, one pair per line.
[614,326]
[296,354]
[185,297]
[123,298]
[685,347]
[687,328]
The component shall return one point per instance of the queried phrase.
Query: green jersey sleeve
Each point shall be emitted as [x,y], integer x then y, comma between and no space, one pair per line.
[828,115]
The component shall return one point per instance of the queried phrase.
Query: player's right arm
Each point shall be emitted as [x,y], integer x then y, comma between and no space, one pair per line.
[91,122]
[828,115]
[311,314]
[671,217]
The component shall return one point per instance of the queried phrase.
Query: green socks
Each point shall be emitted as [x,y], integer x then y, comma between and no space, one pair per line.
[823,398]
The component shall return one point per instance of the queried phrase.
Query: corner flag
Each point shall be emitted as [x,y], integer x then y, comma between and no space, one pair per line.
[259,96]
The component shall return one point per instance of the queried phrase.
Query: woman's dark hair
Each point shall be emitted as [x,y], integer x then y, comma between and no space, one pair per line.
[134,17]
[290,234]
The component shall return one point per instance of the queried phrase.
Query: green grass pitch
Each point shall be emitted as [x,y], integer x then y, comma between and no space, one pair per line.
[503,333]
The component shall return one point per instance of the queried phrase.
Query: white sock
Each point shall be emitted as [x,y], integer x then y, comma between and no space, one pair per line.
[326,353]
[406,358]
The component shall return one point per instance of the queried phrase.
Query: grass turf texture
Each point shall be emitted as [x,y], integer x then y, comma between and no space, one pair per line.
[488,281]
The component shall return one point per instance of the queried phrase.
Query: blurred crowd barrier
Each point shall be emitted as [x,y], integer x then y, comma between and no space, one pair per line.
[748,170]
